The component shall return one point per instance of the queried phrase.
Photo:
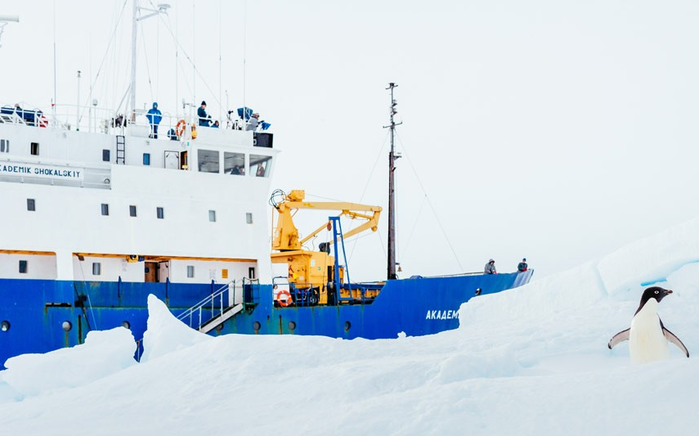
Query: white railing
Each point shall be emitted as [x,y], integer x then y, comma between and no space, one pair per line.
[216,304]
[102,120]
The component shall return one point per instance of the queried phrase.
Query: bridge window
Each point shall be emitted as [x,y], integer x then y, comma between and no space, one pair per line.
[132,210]
[96,268]
[259,165]
[146,158]
[190,271]
[23,266]
[212,216]
[160,212]
[4,145]
[234,163]
[105,155]
[31,204]
[208,161]
[105,209]
[248,218]
[35,148]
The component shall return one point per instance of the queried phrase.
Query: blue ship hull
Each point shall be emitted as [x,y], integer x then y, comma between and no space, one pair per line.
[37,311]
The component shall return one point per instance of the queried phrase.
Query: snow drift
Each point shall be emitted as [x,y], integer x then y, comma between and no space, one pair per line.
[527,361]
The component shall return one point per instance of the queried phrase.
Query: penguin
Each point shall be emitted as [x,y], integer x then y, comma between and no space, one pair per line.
[648,338]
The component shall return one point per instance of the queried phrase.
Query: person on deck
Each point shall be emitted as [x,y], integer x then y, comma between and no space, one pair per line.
[204,118]
[522,266]
[154,117]
[490,267]
[253,122]
[260,170]
[215,125]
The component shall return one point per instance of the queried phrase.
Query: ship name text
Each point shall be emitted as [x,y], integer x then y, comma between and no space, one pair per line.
[442,314]
[40,171]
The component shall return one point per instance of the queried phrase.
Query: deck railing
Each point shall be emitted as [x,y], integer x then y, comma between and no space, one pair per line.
[212,306]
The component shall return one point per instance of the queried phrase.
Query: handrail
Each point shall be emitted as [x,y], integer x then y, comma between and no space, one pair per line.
[216,296]
[97,119]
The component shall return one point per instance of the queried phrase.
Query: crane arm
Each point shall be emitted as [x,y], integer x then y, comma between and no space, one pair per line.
[286,233]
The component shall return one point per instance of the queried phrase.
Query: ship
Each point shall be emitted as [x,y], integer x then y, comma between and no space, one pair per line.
[95,220]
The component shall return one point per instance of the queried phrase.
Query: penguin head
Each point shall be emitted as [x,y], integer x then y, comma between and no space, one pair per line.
[655,292]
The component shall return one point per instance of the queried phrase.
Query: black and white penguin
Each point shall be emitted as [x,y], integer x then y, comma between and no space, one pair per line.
[647,335]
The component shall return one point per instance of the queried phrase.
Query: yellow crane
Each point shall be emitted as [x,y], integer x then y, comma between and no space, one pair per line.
[312,270]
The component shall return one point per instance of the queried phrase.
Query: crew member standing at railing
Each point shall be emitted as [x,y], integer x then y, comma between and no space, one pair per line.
[154,117]
[204,118]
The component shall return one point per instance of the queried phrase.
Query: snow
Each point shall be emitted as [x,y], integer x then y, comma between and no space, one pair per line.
[532,360]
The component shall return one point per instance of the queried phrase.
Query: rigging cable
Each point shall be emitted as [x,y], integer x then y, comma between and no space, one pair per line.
[145,55]
[107,51]
[55,117]
[451,247]
[220,69]
[366,187]
[191,61]
[245,47]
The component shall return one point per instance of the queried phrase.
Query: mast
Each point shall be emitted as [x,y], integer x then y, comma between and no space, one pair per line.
[162,9]
[392,156]
[132,84]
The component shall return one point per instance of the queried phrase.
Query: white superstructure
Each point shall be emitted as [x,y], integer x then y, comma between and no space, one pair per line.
[116,204]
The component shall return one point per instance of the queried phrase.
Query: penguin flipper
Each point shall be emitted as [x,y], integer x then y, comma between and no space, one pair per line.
[675,340]
[618,338]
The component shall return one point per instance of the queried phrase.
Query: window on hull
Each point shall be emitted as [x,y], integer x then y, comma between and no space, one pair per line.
[234,163]
[208,161]
[260,165]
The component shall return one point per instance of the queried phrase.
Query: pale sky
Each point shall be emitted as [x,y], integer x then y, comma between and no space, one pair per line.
[555,130]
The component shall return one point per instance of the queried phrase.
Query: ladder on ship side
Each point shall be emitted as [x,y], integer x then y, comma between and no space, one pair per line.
[120,149]
[223,304]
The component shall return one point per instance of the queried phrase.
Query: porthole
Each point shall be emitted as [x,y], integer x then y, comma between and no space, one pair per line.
[348,326]
[5,326]
[67,325]
[292,326]
[256,326]
[126,325]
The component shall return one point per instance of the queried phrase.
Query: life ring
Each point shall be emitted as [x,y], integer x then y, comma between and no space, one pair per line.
[283,302]
[179,129]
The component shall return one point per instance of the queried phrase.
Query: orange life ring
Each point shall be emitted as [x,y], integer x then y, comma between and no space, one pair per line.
[286,301]
[179,129]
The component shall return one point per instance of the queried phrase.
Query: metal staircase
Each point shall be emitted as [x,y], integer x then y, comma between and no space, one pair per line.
[215,309]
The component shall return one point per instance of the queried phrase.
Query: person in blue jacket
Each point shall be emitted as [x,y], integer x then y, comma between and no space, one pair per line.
[204,118]
[154,117]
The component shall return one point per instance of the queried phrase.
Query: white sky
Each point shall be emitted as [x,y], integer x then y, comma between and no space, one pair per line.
[555,130]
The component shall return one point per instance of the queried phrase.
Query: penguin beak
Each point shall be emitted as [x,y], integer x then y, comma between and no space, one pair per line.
[668,291]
